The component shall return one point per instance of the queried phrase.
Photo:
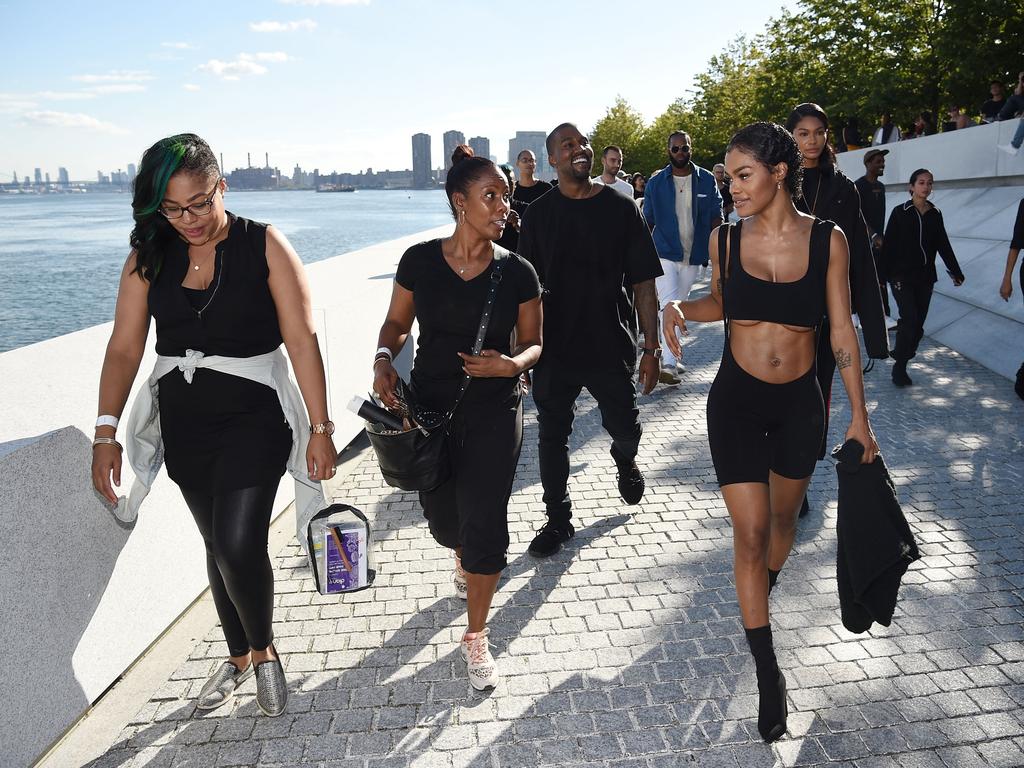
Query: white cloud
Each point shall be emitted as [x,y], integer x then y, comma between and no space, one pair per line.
[14,103]
[244,64]
[117,88]
[64,95]
[273,56]
[115,76]
[53,119]
[325,2]
[178,46]
[232,70]
[190,87]
[282,26]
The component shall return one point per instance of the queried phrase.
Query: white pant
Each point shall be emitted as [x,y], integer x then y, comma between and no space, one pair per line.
[674,285]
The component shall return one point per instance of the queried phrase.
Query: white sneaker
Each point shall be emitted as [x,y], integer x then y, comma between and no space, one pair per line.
[459,579]
[483,671]
[1009,149]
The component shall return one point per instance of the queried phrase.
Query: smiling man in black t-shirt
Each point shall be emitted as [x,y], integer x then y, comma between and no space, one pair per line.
[597,262]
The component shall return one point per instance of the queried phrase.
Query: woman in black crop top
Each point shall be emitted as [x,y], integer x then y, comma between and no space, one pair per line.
[443,285]
[230,289]
[765,410]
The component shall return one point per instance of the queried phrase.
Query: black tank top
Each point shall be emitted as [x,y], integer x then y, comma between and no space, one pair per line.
[799,302]
[235,316]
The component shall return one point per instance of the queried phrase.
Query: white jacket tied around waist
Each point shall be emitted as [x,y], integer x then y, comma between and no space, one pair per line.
[145,446]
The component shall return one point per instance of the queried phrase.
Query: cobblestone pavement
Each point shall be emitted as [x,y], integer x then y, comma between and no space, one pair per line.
[626,649]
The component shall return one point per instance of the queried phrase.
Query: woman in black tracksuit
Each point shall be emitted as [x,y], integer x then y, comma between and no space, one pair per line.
[914,235]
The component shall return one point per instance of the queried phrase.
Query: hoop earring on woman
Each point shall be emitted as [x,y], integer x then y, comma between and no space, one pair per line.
[462,216]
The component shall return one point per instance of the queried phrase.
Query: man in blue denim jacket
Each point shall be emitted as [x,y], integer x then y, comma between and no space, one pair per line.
[682,206]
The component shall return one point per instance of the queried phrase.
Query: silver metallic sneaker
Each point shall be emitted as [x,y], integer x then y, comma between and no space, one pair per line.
[271,687]
[221,686]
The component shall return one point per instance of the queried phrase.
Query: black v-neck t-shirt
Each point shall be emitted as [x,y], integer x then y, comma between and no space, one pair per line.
[448,311]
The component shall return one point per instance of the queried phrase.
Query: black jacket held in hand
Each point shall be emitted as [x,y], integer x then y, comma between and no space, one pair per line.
[837,200]
[875,544]
[911,242]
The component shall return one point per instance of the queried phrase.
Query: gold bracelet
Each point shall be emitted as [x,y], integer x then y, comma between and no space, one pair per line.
[107,441]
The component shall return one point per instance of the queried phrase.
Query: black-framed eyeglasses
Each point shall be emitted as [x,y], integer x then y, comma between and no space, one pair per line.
[196,209]
[684,149]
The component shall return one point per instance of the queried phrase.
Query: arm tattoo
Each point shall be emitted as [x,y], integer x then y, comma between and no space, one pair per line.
[720,284]
[843,359]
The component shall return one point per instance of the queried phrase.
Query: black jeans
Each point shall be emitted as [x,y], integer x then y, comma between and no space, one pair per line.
[913,298]
[235,527]
[555,389]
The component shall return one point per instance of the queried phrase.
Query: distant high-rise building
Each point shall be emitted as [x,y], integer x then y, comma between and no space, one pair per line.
[99,177]
[131,172]
[452,139]
[481,146]
[534,141]
[421,160]
[62,177]
[47,178]
[39,176]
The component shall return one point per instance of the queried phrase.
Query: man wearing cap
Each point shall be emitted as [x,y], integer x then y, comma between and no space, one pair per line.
[872,207]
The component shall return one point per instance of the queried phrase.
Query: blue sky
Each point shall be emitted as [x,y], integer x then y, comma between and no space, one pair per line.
[335,84]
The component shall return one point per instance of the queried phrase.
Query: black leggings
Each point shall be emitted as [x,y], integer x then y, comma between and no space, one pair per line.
[235,526]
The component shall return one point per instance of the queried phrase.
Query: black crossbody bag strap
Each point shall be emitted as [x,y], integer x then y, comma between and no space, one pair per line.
[501,257]
[724,259]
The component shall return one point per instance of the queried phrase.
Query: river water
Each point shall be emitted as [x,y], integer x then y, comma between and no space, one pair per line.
[61,255]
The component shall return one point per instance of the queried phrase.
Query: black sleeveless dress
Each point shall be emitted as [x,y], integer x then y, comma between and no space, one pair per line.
[221,432]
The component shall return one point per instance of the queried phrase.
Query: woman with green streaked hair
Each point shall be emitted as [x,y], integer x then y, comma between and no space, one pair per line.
[220,409]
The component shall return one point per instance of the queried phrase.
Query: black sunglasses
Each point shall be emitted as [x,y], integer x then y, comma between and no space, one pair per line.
[685,149]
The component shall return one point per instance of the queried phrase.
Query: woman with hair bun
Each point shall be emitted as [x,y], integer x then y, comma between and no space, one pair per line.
[444,285]
[766,416]
[225,292]
[914,235]
[828,194]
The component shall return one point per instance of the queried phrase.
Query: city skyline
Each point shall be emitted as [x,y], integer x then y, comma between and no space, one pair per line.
[481,146]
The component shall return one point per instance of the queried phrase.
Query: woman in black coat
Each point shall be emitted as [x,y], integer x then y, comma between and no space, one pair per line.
[829,194]
[914,235]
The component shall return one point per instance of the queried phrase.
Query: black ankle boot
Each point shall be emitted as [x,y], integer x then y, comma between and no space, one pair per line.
[899,374]
[771,685]
[773,577]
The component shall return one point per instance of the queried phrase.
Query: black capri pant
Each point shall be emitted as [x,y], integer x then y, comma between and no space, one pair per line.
[470,509]
[755,426]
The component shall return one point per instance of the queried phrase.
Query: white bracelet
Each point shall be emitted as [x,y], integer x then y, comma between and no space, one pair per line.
[384,351]
[107,421]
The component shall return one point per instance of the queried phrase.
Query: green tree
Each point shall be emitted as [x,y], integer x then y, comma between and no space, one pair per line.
[622,126]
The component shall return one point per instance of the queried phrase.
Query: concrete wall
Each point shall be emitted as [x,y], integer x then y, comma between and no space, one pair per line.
[977,188]
[82,595]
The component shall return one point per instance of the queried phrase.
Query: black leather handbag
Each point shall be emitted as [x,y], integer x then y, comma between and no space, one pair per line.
[417,459]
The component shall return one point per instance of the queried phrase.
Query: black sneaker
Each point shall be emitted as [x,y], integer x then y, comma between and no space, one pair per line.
[631,481]
[550,538]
